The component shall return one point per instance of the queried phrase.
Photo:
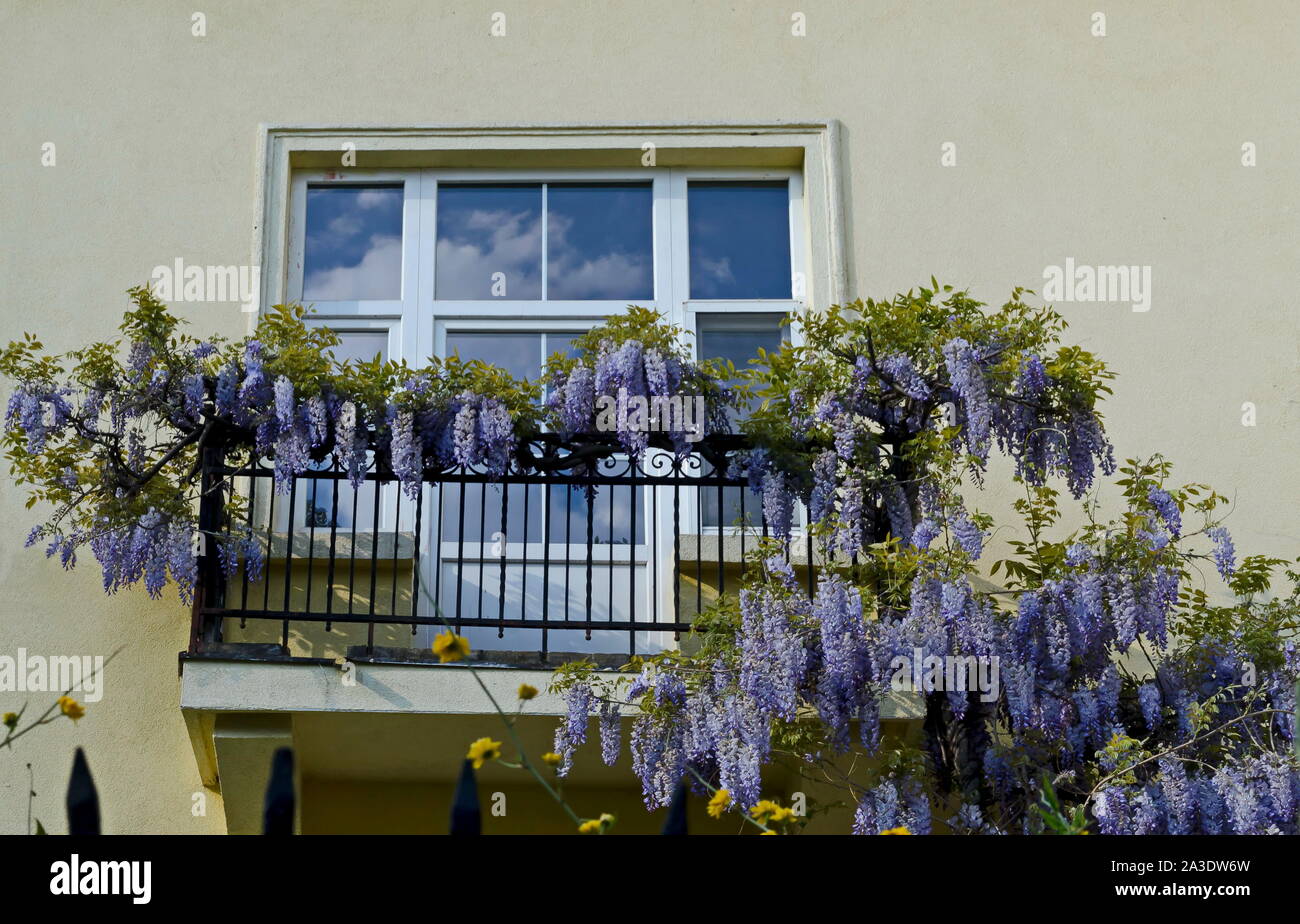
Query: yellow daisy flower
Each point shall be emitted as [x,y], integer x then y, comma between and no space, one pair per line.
[527,691]
[450,647]
[71,708]
[898,830]
[763,810]
[720,802]
[483,750]
[782,814]
[597,825]
[551,759]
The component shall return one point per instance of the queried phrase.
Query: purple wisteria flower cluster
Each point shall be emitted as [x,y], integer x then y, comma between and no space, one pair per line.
[56,424]
[120,441]
[631,391]
[1062,697]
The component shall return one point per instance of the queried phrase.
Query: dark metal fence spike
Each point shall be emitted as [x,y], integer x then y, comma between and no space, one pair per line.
[277,816]
[83,798]
[676,821]
[466,815]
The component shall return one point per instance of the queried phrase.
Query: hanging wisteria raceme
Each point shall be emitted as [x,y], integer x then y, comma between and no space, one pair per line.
[632,379]
[892,805]
[1257,795]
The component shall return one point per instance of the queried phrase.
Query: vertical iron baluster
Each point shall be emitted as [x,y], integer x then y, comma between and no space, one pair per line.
[652,556]
[722,558]
[609,612]
[482,538]
[415,560]
[501,590]
[352,553]
[374,568]
[437,549]
[631,566]
[546,567]
[288,561]
[677,547]
[270,533]
[460,555]
[744,530]
[252,503]
[225,476]
[311,543]
[523,577]
[699,545]
[568,542]
[591,542]
[397,535]
[334,535]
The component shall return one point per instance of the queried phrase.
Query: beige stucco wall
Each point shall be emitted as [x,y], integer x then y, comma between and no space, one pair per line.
[1123,149]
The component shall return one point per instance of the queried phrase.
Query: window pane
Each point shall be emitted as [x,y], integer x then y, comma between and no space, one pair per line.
[518,354]
[610,512]
[361,345]
[598,242]
[737,337]
[562,342]
[353,244]
[489,242]
[739,240]
[484,506]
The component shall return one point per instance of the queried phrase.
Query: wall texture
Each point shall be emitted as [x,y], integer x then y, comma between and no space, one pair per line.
[1118,149]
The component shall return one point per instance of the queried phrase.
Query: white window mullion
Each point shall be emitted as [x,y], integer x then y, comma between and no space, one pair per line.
[545,231]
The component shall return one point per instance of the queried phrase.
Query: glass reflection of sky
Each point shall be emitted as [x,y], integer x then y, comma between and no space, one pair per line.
[353,243]
[484,230]
[739,239]
[598,242]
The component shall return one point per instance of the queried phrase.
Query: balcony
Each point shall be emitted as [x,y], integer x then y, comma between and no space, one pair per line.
[576,551]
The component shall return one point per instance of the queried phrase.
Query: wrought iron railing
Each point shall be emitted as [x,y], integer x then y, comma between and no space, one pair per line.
[576,548]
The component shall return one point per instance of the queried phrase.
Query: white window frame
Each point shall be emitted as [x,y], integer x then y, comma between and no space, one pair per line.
[418,322]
